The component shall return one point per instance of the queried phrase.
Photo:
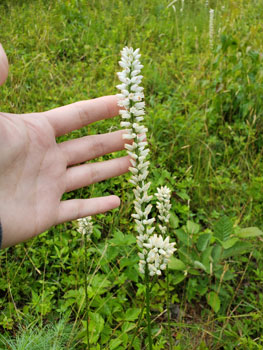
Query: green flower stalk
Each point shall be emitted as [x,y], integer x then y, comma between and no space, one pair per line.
[85,227]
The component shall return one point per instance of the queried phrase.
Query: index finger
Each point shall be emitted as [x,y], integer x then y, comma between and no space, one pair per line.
[76,115]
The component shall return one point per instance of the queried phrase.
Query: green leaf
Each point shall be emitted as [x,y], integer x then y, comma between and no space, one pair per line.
[127,326]
[230,243]
[184,254]
[120,239]
[132,314]
[130,261]
[206,258]
[183,237]
[114,343]
[213,301]
[131,273]
[217,253]
[96,232]
[249,232]
[203,241]
[176,264]
[238,249]
[193,271]
[192,227]
[96,326]
[100,284]
[199,265]
[174,221]
[223,229]
[177,278]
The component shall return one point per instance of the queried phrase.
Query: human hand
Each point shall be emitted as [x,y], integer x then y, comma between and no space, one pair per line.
[35,171]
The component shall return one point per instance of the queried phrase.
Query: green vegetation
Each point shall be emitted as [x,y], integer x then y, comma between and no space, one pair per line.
[205,120]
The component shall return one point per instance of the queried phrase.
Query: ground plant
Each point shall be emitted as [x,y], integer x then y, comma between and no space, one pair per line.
[84,286]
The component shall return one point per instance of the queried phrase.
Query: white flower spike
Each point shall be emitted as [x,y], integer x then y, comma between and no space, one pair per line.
[131,99]
[163,205]
[154,250]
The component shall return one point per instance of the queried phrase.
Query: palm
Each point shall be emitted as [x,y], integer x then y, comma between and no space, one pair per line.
[35,171]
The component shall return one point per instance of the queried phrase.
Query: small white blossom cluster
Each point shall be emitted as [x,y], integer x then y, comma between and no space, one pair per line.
[211,28]
[131,99]
[156,255]
[163,205]
[85,226]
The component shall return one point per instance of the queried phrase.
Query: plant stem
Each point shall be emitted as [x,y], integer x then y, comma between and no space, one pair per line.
[138,325]
[148,314]
[168,309]
[86,288]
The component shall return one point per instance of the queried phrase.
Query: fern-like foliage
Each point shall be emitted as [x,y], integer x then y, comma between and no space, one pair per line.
[223,229]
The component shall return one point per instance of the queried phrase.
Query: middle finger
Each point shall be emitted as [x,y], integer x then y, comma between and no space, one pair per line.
[90,147]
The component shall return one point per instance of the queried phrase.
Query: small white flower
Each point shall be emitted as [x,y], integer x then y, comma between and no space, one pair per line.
[85,225]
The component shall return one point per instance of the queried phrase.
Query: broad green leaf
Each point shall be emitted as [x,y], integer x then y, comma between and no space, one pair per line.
[176,264]
[249,232]
[136,344]
[230,243]
[131,261]
[206,258]
[183,237]
[120,239]
[228,276]
[213,301]
[174,221]
[238,249]
[131,273]
[96,326]
[100,284]
[114,343]
[132,314]
[183,195]
[192,227]
[199,265]
[127,326]
[223,229]
[111,253]
[203,241]
[96,232]
[217,253]
[185,255]
[177,277]
[193,271]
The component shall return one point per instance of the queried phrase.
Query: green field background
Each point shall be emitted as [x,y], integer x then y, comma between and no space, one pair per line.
[205,118]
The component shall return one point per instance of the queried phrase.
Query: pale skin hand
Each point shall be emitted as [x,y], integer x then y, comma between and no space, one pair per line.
[35,171]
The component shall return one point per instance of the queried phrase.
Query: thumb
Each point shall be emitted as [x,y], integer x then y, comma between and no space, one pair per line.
[3,65]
